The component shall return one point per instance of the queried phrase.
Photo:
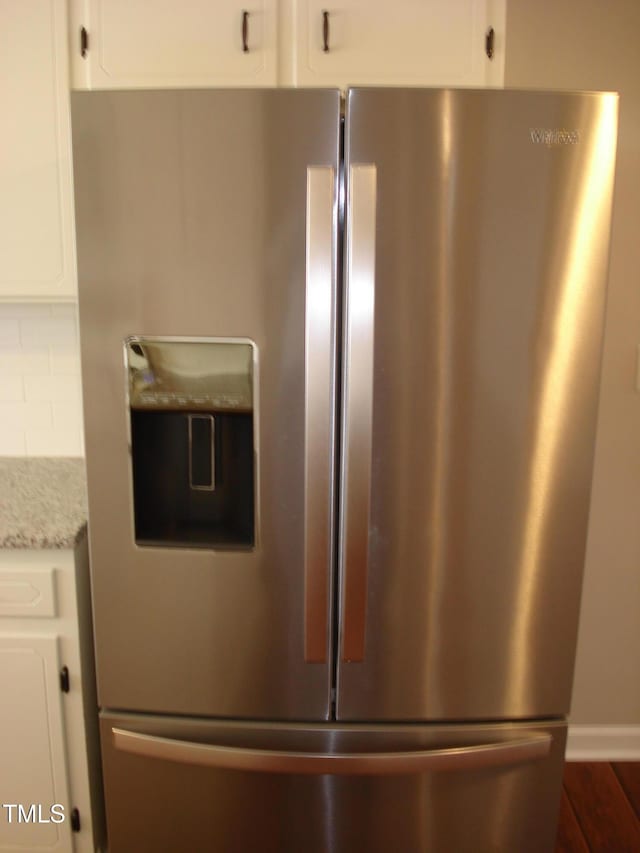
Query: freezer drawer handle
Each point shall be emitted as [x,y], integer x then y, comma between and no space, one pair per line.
[358,405]
[531,748]
[318,474]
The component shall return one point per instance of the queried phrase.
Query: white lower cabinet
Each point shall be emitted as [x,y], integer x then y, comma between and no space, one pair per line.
[34,794]
[50,790]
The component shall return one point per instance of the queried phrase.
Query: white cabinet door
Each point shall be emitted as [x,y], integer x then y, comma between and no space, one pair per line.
[32,756]
[404,42]
[49,751]
[174,43]
[36,208]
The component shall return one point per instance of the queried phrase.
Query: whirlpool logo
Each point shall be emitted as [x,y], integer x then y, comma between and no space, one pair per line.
[551,136]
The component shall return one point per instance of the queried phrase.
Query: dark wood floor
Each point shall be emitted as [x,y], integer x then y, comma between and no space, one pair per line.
[600,811]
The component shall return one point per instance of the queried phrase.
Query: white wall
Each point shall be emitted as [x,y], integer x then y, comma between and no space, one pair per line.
[588,44]
[40,402]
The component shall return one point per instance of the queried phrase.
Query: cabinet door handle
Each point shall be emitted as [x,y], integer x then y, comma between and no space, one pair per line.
[489,40]
[245,31]
[84,42]
[325,31]
[64,679]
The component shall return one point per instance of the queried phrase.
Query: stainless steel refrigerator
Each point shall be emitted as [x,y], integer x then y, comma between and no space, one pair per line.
[340,370]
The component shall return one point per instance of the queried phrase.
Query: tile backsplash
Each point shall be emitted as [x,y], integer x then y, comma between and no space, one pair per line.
[40,397]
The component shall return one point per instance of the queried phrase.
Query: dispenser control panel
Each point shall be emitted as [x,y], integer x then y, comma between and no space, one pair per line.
[189,374]
[175,400]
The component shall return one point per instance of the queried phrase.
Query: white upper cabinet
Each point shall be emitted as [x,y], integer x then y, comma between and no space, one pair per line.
[36,207]
[404,42]
[183,43]
[117,44]
[173,43]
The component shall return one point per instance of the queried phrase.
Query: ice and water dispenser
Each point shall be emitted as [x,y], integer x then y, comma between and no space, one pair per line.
[191,407]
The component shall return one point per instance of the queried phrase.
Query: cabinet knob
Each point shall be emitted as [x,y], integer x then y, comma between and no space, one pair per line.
[245,31]
[325,31]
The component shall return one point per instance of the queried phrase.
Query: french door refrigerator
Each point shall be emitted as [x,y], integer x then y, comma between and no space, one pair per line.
[340,390]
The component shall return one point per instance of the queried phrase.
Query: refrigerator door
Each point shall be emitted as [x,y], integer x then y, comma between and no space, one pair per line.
[206,226]
[476,259]
[199,785]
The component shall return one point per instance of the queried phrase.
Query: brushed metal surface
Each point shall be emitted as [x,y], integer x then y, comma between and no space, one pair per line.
[163,805]
[358,404]
[333,763]
[491,261]
[319,412]
[190,214]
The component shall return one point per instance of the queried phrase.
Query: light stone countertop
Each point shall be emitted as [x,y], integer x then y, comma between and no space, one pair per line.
[43,502]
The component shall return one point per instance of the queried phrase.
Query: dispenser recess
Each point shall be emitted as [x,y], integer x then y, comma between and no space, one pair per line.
[191,410]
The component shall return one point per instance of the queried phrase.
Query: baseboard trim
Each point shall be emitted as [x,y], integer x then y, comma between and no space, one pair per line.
[603,743]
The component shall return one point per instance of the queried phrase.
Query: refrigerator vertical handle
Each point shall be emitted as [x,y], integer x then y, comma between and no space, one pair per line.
[358,401]
[318,409]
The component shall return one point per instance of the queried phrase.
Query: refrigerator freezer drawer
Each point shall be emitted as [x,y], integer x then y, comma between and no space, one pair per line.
[202,785]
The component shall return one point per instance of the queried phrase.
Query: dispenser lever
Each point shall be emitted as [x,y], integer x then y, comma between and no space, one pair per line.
[202,456]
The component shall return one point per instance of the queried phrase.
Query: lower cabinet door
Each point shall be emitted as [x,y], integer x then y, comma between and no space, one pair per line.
[34,801]
[204,785]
